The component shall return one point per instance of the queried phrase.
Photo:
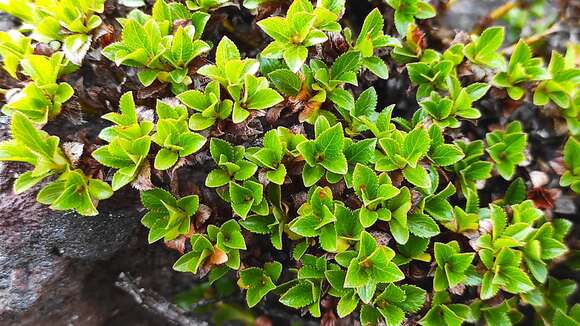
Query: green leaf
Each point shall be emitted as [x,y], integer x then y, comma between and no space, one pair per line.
[370,315]
[273,270]
[446,154]
[153,199]
[414,298]
[277,176]
[26,181]
[311,175]
[422,225]
[516,192]
[490,40]
[365,180]
[415,146]
[343,99]
[276,27]
[488,289]
[100,190]
[347,62]
[226,51]
[295,57]
[135,37]
[372,26]
[377,66]
[298,296]
[336,164]
[286,81]
[438,206]
[23,131]
[347,304]
[165,159]
[75,47]
[514,280]
[263,99]
[366,103]
[217,178]
[417,176]
[306,226]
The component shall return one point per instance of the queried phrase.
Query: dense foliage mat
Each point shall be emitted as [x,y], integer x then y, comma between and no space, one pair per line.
[343,162]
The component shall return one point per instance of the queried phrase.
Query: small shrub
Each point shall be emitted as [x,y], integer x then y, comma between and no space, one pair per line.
[278,158]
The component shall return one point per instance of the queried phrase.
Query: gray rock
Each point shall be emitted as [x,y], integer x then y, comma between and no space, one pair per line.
[465,14]
[60,268]
[45,255]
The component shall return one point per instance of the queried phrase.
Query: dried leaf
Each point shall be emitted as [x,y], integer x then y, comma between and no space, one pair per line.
[544,198]
[219,257]
[202,215]
[143,180]
[73,151]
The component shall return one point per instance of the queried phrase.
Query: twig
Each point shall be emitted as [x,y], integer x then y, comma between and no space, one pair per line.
[534,38]
[494,15]
[155,303]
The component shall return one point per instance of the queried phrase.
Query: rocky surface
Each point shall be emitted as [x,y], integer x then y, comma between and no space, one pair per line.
[60,269]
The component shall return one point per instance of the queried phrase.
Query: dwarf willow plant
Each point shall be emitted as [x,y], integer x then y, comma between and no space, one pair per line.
[407,10]
[318,83]
[278,146]
[303,27]
[167,217]
[231,164]
[507,148]
[374,191]
[483,49]
[447,111]
[452,265]
[129,142]
[515,242]
[258,282]
[220,247]
[431,73]
[571,177]
[72,190]
[324,155]
[402,151]
[247,92]
[70,23]
[208,106]
[14,46]
[324,199]
[42,98]
[173,136]
[370,39]
[560,87]
[521,68]
[150,43]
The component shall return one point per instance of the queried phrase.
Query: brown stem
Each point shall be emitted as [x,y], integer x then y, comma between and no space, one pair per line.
[494,15]
[534,38]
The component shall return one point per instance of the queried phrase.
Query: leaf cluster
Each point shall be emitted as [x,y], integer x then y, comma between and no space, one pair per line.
[72,190]
[150,43]
[246,92]
[303,27]
[70,23]
[42,98]
[129,142]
